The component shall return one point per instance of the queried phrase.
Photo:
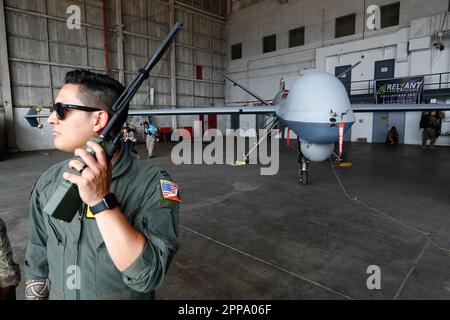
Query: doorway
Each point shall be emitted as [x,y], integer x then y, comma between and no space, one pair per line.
[383,121]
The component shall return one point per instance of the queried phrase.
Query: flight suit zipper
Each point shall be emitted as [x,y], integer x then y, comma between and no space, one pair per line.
[80,217]
[101,246]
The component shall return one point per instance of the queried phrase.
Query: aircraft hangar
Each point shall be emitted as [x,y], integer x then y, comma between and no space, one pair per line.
[280,216]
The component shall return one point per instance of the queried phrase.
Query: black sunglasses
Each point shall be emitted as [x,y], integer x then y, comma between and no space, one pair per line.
[60,108]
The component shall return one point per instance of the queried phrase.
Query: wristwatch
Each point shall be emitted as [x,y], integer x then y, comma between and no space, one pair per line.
[108,202]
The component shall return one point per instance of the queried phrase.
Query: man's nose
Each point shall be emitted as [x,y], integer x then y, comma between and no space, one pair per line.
[52,119]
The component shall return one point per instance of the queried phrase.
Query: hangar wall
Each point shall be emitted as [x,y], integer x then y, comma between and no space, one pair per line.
[410,43]
[41,49]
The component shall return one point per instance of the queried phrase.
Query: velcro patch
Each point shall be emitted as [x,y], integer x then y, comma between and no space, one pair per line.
[165,174]
[169,190]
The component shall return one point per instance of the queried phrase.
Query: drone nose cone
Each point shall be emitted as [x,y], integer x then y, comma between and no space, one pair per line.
[317,102]
[317,97]
[319,91]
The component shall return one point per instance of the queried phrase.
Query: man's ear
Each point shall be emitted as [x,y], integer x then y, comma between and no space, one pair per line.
[100,120]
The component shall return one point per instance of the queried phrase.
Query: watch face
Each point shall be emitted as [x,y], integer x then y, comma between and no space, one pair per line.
[111,201]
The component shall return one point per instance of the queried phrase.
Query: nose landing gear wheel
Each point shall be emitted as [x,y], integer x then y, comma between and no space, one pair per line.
[303,177]
[303,172]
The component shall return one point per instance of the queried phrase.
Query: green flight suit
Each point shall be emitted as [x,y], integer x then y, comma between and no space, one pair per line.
[60,251]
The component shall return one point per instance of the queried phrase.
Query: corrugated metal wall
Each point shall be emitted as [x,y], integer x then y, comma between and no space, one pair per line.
[41,49]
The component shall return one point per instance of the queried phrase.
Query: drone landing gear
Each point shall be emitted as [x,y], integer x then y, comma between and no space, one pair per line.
[303,163]
[268,126]
[303,173]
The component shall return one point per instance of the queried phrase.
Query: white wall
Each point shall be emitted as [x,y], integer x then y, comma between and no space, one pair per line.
[419,20]
[421,58]
[362,128]
[249,25]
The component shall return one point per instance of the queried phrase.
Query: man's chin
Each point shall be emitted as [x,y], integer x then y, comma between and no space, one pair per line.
[62,146]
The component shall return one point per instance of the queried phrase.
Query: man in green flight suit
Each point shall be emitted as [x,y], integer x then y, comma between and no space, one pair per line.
[123,238]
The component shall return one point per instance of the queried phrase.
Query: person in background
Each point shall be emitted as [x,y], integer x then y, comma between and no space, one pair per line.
[431,123]
[9,271]
[132,140]
[392,137]
[125,140]
[150,137]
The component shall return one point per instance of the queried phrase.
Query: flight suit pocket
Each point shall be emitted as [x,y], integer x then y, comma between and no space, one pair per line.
[56,245]
[108,280]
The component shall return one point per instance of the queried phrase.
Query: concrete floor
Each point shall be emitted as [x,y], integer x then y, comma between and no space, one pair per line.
[247,236]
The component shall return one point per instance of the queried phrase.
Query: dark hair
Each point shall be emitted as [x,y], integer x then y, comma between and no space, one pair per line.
[96,90]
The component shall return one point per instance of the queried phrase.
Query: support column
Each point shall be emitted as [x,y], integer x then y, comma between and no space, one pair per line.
[49,56]
[211,79]
[173,66]
[5,84]
[120,58]
[105,36]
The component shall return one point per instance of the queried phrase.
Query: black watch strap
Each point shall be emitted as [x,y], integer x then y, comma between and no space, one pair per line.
[108,202]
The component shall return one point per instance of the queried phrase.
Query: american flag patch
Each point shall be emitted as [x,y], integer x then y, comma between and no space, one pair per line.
[169,190]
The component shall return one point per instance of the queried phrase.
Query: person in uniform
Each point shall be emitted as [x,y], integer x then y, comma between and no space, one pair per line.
[431,123]
[9,271]
[121,242]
